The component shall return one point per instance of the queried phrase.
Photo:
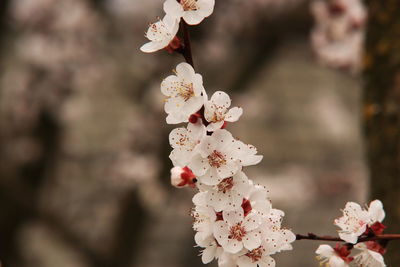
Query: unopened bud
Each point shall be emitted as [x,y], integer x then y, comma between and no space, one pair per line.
[181,177]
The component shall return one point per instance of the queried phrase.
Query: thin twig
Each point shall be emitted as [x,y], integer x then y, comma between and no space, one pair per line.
[312,236]
[187,50]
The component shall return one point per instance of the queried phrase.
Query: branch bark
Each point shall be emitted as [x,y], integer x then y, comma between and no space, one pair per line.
[381,106]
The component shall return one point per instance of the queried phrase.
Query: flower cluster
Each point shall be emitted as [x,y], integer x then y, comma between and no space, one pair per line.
[162,34]
[233,217]
[338,35]
[355,224]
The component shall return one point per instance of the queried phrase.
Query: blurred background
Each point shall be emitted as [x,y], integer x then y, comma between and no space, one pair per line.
[84,168]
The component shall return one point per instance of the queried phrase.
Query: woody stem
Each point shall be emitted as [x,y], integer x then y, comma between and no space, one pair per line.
[311,236]
[187,51]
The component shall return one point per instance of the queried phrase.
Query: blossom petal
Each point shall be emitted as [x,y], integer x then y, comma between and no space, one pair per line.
[233,114]
[233,246]
[252,222]
[208,254]
[173,8]
[252,240]
[151,47]
[198,165]
[233,217]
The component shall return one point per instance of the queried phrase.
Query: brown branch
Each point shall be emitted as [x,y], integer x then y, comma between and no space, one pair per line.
[187,49]
[312,236]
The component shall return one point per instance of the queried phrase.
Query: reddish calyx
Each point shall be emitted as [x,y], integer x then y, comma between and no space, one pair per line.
[224,125]
[195,117]
[188,178]
[174,45]
[343,252]
[375,229]
[375,246]
[246,205]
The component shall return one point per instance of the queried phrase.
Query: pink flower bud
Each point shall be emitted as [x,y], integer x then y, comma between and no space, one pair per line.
[181,177]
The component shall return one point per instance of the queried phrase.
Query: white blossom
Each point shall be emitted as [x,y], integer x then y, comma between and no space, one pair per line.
[353,223]
[184,141]
[185,93]
[236,231]
[192,11]
[256,257]
[367,257]
[221,156]
[329,257]
[204,218]
[216,111]
[229,193]
[355,220]
[160,34]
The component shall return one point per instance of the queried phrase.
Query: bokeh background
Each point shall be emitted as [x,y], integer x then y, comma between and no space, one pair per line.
[84,168]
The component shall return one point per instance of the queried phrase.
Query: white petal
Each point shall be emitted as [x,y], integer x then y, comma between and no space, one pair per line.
[336,261]
[207,146]
[185,71]
[192,17]
[208,254]
[252,222]
[233,114]
[376,212]
[349,237]
[206,7]
[198,165]
[233,246]
[229,169]
[221,98]
[233,217]
[325,250]
[169,86]
[245,261]
[210,177]
[252,240]
[173,8]
[151,47]
[221,232]
[213,126]
[266,261]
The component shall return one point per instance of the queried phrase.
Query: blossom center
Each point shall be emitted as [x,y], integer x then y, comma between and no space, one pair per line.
[256,254]
[237,232]
[189,5]
[225,185]
[186,91]
[157,31]
[216,159]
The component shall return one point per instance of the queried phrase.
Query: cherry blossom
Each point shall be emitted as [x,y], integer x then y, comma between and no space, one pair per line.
[160,34]
[356,221]
[256,257]
[259,201]
[353,223]
[192,11]
[184,141]
[185,93]
[236,231]
[368,257]
[229,193]
[221,156]
[204,218]
[334,257]
[216,111]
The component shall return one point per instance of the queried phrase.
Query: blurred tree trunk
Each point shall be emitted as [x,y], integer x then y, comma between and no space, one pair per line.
[382,112]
